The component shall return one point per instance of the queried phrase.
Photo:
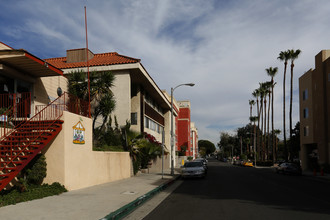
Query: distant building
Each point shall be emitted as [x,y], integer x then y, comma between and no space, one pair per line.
[187,132]
[175,124]
[314,95]
[194,139]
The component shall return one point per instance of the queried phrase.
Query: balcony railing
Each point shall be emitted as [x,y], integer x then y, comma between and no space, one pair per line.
[68,102]
[15,109]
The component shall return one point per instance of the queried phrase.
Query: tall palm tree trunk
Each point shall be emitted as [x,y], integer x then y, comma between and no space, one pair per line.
[261,129]
[290,113]
[258,141]
[272,72]
[284,132]
[293,55]
[265,121]
[273,134]
[254,143]
[247,149]
[268,139]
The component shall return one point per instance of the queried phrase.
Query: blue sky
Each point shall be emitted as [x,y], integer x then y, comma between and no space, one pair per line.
[223,46]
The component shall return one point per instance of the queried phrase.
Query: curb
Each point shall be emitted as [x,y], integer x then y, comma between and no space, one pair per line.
[130,207]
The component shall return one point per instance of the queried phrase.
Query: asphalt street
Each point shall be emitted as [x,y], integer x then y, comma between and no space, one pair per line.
[232,192]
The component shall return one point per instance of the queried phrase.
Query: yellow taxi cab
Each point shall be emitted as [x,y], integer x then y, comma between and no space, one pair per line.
[248,164]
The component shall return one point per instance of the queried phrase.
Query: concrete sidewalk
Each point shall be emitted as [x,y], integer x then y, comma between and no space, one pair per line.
[90,203]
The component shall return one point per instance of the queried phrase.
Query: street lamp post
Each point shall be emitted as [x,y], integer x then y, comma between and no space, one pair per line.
[172,136]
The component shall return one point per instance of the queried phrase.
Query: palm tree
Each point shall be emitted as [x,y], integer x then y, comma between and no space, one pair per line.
[284,56]
[276,132]
[102,100]
[263,95]
[100,83]
[251,103]
[77,84]
[272,72]
[294,54]
[267,92]
[256,94]
[254,119]
[104,108]
[268,87]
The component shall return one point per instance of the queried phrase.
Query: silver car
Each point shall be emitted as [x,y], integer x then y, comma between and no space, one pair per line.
[193,169]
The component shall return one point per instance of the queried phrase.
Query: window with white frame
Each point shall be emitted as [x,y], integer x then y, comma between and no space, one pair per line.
[153,125]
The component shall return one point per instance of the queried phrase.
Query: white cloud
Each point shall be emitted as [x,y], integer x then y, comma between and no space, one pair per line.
[223,47]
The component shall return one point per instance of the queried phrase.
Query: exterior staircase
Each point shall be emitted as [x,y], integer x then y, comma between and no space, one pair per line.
[22,138]
[22,145]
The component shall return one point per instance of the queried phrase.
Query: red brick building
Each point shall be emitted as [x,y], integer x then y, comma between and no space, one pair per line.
[184,130]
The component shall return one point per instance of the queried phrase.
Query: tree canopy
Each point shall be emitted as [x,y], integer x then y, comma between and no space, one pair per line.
[228,144]
[206,146]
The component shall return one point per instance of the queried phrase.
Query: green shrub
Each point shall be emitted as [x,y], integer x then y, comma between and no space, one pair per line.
[136,164]
[36,170]
[13,196]
[108,148]
[29,186]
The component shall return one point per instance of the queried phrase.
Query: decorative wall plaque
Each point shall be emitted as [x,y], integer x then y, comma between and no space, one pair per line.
[78,133]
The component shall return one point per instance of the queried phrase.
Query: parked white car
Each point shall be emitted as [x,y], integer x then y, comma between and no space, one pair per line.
[204,162]
[193,169]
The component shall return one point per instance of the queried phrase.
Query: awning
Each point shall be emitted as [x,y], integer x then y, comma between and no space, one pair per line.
[25,62]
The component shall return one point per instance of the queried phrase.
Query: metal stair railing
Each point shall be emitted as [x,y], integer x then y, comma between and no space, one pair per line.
[50,113]
[15,156]
[17,111]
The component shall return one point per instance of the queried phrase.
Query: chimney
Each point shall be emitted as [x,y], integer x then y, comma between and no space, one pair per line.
[78,55]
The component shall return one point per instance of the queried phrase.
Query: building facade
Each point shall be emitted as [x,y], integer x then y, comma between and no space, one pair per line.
[175,124]
[187,137]
[314,99]
[22,73]
[138,98]
[194,139]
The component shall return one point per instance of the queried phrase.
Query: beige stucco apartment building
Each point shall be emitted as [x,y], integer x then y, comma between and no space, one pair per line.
[314,99]
[138,98]
[28,97]
[22,72]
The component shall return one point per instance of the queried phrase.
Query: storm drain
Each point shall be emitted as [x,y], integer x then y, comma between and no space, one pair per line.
[129,193]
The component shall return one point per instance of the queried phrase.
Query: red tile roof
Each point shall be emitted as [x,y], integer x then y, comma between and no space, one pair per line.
[101,59]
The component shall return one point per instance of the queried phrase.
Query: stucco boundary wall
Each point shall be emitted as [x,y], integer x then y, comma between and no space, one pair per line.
[156,165]
[77,166]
